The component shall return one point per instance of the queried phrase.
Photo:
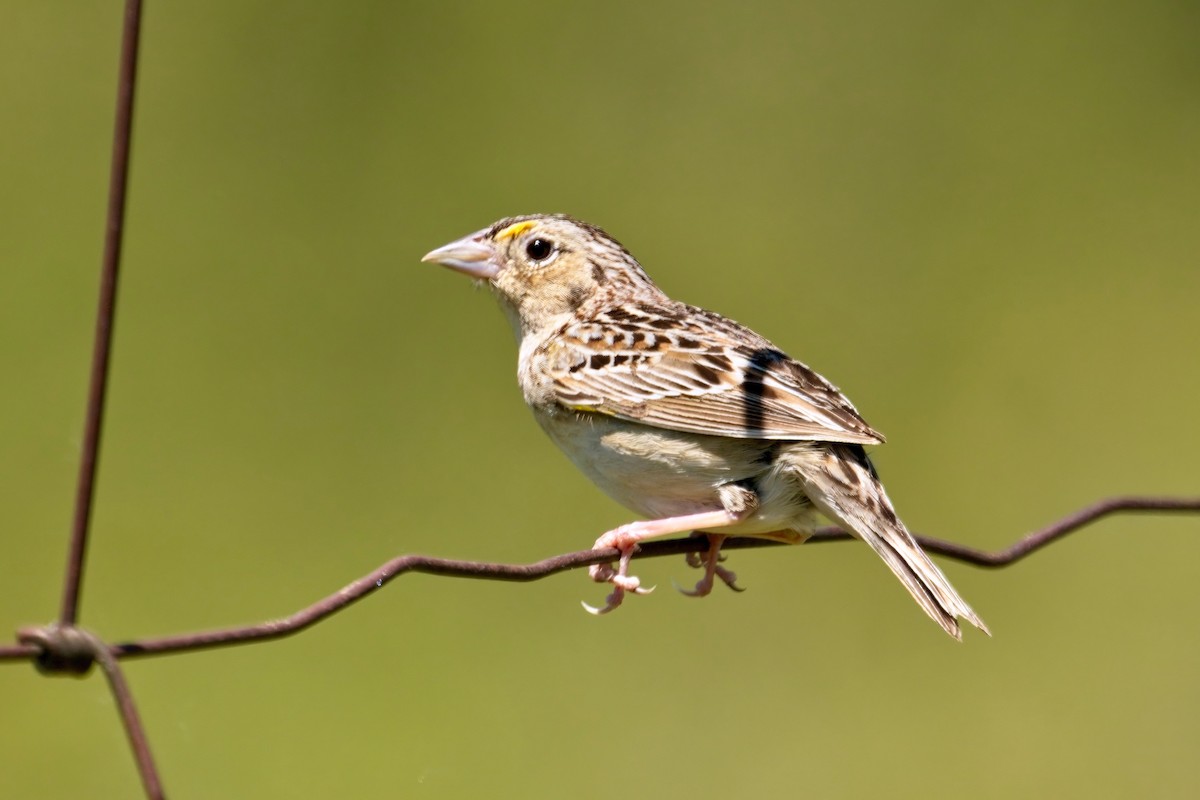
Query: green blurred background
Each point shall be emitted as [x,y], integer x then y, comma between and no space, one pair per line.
[981,222]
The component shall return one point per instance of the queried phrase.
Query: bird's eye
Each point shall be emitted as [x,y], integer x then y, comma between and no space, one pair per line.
[539,249]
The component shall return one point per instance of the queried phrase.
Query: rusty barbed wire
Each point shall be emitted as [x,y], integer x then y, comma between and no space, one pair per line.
[105,314]
[523,573]
[64,648]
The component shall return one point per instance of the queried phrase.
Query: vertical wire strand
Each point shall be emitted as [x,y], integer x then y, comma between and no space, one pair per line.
[102,345]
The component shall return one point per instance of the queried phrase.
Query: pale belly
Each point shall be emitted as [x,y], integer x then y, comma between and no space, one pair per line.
[660,473]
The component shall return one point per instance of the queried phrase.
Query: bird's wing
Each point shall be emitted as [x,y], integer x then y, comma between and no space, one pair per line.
[687,369]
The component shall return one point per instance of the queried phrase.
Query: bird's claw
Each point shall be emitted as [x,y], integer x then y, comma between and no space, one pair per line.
[704,586]
[595,612]
[629,584]
[728,577]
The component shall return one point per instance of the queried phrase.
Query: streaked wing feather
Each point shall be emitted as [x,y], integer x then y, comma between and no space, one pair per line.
[687,369]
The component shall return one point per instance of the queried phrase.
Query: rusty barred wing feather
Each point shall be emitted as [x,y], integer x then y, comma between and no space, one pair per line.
[679,367]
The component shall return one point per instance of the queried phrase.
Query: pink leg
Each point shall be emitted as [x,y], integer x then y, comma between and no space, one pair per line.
[625,540]
[712,568]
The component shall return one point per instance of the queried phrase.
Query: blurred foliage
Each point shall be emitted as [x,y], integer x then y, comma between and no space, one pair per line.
[980,220]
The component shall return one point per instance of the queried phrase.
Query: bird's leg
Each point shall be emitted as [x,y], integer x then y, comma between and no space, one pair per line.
[625,539]
[712,568]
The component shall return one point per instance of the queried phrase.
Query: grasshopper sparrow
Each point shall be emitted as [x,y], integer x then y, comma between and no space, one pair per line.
[688,418]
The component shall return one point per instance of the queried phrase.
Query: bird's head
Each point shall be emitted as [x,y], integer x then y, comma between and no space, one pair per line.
[542,266]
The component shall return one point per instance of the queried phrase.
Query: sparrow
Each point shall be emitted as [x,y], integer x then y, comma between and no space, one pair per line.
[689,419]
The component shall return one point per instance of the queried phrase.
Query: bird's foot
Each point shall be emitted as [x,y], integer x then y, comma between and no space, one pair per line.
[712,569]
[624,539]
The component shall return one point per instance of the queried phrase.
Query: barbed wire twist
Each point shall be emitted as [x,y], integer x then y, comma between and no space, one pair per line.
[65,648]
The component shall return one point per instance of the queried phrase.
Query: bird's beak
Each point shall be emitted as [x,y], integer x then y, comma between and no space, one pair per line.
[473,255]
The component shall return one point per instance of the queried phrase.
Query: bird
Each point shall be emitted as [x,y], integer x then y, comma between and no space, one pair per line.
[689,419]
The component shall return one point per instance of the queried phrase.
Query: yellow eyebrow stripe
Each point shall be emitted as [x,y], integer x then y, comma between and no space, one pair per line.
[516,229]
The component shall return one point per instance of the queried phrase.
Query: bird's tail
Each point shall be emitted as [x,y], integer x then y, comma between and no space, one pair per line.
[843,485]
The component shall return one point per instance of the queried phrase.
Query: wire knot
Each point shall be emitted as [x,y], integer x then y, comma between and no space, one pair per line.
[62,649]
